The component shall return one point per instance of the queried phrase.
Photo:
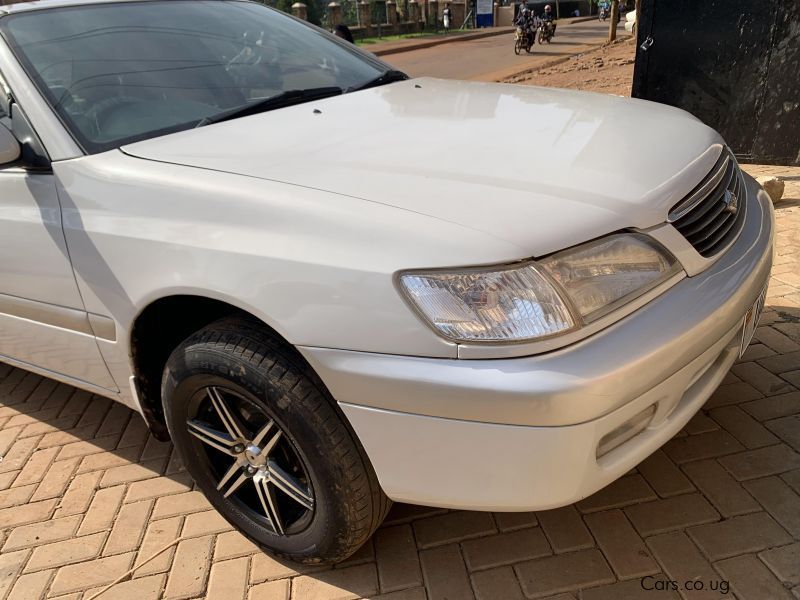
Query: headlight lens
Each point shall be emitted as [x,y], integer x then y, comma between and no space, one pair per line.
[601,275]
[507,304]
[536,300]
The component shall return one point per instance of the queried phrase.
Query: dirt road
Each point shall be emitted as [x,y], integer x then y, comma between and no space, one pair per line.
[493,58]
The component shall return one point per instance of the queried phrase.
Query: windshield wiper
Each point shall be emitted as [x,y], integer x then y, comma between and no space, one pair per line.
[282,100]
[388,76]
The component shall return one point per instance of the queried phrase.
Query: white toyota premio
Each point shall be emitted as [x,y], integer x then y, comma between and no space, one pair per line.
[332,286]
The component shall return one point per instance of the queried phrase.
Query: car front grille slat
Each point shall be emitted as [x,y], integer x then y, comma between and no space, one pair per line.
[711,215]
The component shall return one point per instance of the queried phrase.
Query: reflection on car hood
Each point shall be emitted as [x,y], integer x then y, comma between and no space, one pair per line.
[541,168]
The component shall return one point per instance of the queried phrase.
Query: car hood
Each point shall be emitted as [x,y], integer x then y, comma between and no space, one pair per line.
[540,168]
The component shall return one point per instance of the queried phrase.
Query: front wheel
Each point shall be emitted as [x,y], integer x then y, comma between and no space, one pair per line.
[266,445]
[517,47]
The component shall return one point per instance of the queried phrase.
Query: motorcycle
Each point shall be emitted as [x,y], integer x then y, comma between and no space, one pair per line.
[546,31]
[523,39]
[604,12]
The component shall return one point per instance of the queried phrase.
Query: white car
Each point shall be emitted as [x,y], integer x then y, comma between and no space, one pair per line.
[333,286]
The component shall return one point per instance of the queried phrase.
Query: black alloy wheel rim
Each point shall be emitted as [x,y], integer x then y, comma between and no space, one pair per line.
[251,459]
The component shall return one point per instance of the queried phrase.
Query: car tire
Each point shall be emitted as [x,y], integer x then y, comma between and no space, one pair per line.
[267,445]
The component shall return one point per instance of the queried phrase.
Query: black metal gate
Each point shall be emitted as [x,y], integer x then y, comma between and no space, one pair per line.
[735,64]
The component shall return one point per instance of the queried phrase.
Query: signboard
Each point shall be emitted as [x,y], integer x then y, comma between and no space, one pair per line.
[483,13]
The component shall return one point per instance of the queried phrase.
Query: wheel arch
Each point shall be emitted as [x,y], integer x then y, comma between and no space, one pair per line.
[159,328]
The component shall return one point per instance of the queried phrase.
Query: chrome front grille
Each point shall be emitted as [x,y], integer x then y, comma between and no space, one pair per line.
[711,216]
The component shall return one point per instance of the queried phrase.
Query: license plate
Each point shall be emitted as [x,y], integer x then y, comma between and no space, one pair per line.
[750,321]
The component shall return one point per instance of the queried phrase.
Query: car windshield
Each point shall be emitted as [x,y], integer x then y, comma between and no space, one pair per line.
[121,72]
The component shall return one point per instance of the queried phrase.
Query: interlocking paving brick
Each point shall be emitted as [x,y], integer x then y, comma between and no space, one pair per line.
[135,434]
[792,479]
[157,536]
[405,513]
[233,544]
[732,393]
[725,493]
[781,363]
[771,460]
[365,554]
[563,573]
[90,574]
[776,340]
[621,545]
[16,495]
[677,512]
[784,562]
[682,561]
[228,580]
[79,495]
[505,548]
[398,562]
[158,487]
[445,574]
[630,489]
[102,510]
[774,406]
[755,352]
[788,429]
[760,378]
[744,428]
[452,527]
[11,564]
[108,460]
[565,529]
[129,527]
[700,423]
[779,500]
[42,532]
[31,585]
[703,445]
[340,584]
[739,535]
[133,472]
[271,590]
[411,594]
[516,520]
[664,477]
[36,466]
[65,552]
[14,516]
[628,590]
[203,523]
[264,567]
[750,578]
[496,583]
[56,481]
[187,577]
[179,504]
[146,588]
[115,420]
[18,454]
[78,448]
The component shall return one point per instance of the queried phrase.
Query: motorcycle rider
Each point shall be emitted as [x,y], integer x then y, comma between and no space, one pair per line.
[549,17]
[525,21]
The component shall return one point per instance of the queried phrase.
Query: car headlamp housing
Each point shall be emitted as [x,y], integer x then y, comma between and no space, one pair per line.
[537,300]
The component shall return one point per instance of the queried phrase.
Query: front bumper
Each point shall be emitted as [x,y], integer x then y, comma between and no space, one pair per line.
[523,433]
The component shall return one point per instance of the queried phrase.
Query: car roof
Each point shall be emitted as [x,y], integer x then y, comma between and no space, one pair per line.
[48,4]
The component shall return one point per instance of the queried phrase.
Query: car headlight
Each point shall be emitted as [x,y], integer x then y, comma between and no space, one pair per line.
[534,300]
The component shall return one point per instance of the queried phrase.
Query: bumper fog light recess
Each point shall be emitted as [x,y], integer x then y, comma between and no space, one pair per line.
[626,431]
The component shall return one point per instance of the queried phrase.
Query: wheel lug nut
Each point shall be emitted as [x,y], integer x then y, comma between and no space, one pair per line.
[251,469]
[238,448]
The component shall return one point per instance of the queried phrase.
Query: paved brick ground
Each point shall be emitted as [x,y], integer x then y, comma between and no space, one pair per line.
[87,497]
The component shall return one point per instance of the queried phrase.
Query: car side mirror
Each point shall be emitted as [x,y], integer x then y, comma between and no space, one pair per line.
[9,147]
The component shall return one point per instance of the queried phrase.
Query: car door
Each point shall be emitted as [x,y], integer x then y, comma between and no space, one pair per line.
[43,323]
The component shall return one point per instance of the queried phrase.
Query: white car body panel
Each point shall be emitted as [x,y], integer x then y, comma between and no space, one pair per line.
[592,163]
